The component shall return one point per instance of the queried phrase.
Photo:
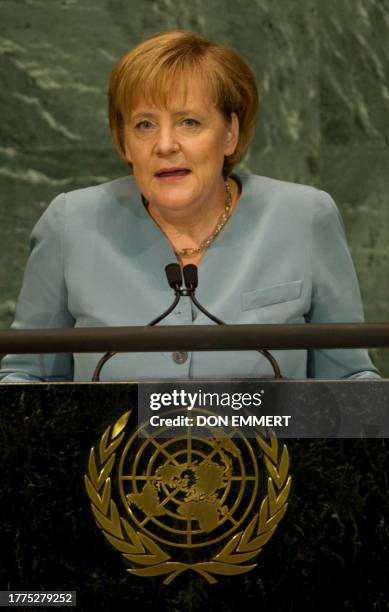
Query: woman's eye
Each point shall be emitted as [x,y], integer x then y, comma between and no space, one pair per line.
[191,122]
[143,125]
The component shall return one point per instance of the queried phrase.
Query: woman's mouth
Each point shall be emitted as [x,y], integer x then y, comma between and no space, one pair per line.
[172,175]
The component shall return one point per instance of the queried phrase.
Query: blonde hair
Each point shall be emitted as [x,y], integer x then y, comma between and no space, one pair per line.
[153,68]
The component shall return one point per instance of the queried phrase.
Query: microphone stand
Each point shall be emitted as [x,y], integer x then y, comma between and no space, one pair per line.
[174,277]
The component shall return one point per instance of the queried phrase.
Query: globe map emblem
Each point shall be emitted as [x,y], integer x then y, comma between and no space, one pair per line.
[188,491]
[189,502]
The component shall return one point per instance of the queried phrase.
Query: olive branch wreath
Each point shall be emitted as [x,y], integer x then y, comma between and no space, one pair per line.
[139,549]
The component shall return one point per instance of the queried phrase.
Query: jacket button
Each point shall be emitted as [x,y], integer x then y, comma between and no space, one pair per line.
[180,356]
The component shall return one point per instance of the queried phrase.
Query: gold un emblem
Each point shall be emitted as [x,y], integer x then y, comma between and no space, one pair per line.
[192,498]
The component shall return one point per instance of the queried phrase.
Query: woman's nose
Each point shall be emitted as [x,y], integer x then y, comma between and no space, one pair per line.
[166,140]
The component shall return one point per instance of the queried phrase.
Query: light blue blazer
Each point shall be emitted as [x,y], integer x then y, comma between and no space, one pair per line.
[97,259]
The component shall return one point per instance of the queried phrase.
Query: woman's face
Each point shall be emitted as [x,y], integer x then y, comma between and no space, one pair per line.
[190,137]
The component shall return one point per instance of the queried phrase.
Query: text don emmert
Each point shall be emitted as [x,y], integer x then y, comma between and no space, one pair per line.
[235,420]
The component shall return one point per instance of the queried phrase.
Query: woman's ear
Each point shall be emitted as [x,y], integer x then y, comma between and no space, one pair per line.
[232,135]
[126,148]
[127,154]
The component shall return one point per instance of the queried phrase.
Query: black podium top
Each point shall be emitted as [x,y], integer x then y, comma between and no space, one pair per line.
[329,551]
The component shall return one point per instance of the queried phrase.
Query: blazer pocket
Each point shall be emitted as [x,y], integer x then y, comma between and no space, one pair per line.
[271,295]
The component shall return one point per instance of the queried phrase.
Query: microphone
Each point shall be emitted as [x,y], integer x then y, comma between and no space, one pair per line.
[191,282]
[174,278]
[190,276]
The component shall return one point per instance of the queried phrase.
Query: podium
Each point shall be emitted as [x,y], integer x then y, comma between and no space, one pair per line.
[330,551]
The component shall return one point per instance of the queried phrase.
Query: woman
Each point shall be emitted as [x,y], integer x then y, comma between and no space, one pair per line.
[182,114]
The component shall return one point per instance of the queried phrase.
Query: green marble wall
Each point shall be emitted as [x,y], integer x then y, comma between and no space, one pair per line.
[323,74]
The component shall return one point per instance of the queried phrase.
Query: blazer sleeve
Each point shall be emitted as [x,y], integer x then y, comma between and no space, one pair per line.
[42,302]
[335,295]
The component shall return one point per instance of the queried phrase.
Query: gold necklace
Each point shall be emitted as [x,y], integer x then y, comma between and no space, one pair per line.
[204,244]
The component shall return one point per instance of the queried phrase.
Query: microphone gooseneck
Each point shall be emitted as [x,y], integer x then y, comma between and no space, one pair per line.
[191,282]
[174,278]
